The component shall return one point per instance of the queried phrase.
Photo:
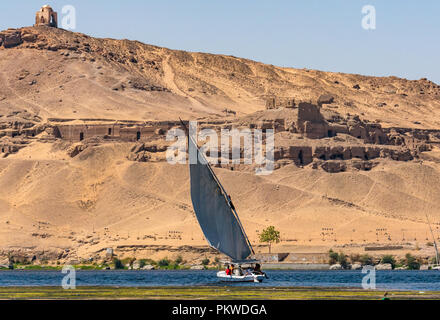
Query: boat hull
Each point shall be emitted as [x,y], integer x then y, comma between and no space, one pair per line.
[222,276]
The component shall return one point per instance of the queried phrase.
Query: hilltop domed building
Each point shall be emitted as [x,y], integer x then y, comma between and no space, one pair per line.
[46,17]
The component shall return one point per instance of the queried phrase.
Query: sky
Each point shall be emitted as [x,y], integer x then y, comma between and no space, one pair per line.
[325,35]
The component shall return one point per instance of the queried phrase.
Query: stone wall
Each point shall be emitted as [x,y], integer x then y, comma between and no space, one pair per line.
[117,131]
[279,102]
[80,132]
[311,123]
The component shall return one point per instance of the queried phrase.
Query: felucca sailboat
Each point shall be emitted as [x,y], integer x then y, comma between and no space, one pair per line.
[218,218]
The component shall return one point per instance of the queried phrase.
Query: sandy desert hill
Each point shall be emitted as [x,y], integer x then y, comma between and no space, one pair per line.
[59,204]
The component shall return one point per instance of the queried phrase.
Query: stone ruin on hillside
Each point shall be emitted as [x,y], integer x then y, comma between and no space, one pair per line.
[279,102]
[46,17]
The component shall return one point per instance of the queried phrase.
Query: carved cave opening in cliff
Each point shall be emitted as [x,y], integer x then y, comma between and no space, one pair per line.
[138,135]
[109,131]
[301,157]
[57,132]
[337,156]
[81,136]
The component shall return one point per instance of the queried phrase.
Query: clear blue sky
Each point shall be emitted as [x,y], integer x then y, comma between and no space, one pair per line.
[325,35]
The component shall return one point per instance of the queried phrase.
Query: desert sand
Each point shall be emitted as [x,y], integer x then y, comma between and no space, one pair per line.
[57,207]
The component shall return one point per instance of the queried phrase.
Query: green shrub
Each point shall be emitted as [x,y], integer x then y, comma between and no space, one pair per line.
[389,259]
[342,260]
[178,260]
[128,261]
[355,257]
[333,257]
[205,261]
[366,260]
[164,263]
[118,263]
[412,262]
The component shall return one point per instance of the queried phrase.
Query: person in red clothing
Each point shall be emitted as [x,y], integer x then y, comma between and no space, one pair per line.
[228,270]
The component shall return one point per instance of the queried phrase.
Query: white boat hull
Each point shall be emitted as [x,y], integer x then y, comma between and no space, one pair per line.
[245,278]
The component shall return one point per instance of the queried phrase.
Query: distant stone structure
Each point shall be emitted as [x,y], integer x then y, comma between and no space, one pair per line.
[311,123]
[46,17]
[279,102]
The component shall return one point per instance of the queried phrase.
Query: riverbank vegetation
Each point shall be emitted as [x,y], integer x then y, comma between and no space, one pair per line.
[354,261]
[122,264]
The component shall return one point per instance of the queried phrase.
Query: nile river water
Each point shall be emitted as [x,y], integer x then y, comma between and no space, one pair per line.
[389,280]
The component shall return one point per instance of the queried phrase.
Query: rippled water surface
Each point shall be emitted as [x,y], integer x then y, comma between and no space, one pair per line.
[396,280]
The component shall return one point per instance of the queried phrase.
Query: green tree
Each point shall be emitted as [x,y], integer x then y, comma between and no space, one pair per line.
[270,235]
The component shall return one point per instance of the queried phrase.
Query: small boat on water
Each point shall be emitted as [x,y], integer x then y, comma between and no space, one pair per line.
[244,278]
[218,218]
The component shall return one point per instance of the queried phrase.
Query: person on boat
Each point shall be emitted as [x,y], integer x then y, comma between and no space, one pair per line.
[228,270]
[238,271]
[249,271]
[257,269]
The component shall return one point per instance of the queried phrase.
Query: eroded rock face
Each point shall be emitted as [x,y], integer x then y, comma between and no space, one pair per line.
[325,99]
[147,152]
[334,166]
[29,37]
[75,150]
[11,38]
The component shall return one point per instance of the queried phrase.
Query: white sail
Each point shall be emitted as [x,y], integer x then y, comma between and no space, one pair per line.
[214,210]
